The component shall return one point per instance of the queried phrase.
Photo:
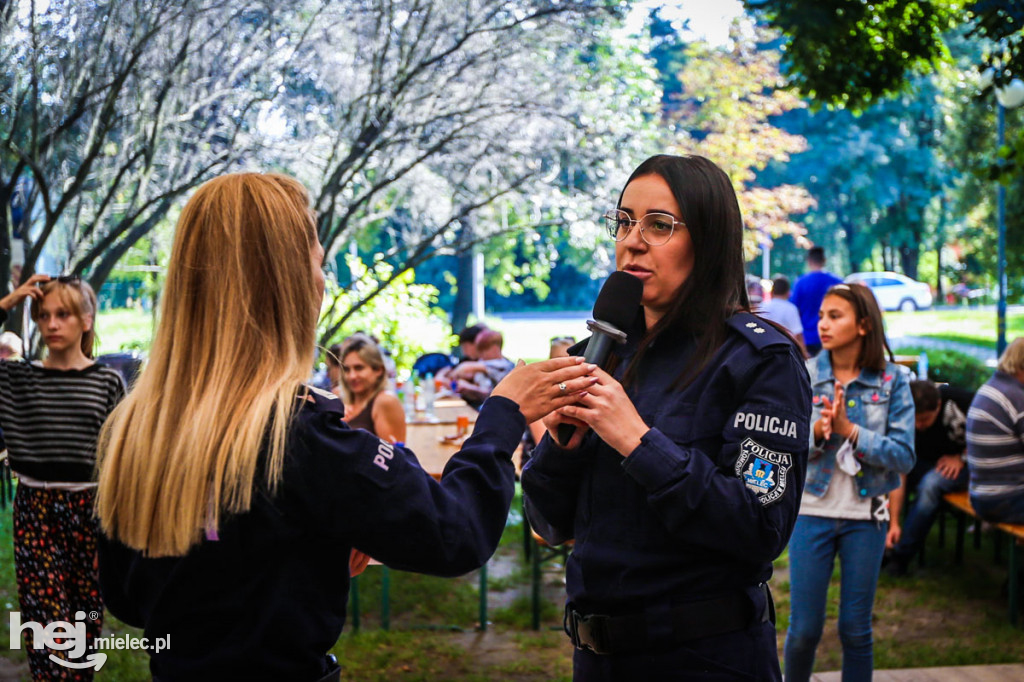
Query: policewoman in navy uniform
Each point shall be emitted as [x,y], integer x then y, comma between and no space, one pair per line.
[682,481]
[232,497]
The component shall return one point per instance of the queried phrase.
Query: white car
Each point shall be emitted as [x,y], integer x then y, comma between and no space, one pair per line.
[895,291]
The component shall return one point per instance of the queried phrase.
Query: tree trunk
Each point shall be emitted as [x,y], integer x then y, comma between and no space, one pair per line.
[463,305]
[849,237]
[940,239]
[909,256]
[5,240]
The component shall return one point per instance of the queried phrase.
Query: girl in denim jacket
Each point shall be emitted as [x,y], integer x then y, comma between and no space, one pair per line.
[862,440]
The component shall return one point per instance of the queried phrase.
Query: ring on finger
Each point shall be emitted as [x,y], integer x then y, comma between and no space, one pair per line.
[562,387]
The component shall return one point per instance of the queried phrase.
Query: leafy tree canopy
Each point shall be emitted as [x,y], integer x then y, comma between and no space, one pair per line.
[851,53]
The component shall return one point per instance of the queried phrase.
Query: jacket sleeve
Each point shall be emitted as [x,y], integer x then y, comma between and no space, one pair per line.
[115,564]
[747,507]
[893,449]
[815,448]
[376,496]
[551,482]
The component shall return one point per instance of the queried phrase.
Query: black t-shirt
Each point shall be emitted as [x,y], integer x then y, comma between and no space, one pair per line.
[947,435]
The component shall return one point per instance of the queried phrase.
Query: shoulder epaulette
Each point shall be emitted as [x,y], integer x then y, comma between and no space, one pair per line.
[759,333]
[324,401]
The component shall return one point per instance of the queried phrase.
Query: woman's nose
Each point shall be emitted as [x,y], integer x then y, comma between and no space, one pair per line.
[634,239]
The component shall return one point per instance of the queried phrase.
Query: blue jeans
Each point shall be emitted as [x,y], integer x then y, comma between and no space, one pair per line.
[1008,509]
[812,551]
[921,516]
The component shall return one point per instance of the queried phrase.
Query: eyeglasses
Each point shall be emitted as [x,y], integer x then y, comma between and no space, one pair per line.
[67,279]
[655,228]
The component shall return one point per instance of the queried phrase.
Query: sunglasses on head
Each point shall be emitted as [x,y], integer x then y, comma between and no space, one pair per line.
[67,279]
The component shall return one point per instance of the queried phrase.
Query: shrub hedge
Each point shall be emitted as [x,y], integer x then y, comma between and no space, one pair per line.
[951,367]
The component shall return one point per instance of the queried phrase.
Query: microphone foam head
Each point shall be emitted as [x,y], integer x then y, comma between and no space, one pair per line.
[619,298]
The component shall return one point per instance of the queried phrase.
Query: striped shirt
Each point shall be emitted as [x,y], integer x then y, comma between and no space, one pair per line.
[51,417]
[995,438]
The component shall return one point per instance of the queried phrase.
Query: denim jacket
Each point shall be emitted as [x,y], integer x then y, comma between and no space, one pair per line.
[882,405]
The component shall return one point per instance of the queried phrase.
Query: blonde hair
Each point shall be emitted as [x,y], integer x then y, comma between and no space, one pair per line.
[369,352]
[1012,359]
[234,343]
[79,299]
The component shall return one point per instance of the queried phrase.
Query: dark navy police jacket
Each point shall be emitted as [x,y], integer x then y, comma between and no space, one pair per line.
[709,497]
[267,600]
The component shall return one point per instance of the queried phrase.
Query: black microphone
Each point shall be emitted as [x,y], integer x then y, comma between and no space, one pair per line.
[614,310]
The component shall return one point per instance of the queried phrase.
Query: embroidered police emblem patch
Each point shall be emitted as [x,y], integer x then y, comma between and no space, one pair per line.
[764,471]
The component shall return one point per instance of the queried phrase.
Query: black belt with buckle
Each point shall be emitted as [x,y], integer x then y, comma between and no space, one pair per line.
[693,620]
[333,673]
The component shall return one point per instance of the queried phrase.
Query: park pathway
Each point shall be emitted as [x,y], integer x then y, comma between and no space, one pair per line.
[971,673]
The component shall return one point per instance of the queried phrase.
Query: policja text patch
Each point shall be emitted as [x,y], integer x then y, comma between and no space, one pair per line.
[765,424]
[764,471]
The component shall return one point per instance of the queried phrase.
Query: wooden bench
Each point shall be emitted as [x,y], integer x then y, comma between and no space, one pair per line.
[960,502]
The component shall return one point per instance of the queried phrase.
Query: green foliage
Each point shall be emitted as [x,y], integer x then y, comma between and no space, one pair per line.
[124,329]
[970,145]
[519,614]
[875,178]
[403,316]
[850,53]
[732,98]
[1001,23]
[951,367]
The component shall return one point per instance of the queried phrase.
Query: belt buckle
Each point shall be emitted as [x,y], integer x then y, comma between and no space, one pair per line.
[588,632]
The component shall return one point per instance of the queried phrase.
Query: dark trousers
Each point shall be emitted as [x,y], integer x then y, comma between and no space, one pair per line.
[749,654]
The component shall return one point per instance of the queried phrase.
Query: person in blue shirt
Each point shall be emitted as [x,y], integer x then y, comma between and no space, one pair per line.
[808,292]
[682,480]
[861,441]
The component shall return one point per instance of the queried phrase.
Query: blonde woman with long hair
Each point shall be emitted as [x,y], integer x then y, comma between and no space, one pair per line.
[51,413]
[364,379]
[231,495]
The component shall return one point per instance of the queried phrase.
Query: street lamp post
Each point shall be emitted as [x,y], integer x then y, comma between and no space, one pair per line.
[1008,97]
[1001,227]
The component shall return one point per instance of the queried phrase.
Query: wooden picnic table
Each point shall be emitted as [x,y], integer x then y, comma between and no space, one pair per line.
[434,442]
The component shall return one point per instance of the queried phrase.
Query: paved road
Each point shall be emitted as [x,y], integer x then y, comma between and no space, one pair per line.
[527,334]
[1013,672]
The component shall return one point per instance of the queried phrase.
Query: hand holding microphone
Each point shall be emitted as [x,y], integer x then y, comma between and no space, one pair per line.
[615,309]
[606,409]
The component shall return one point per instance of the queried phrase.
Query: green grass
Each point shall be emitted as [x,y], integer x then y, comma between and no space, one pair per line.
[943,615]
[964,325]
[124,329]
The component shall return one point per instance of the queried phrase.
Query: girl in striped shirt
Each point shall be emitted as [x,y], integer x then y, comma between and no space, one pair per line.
[51,413]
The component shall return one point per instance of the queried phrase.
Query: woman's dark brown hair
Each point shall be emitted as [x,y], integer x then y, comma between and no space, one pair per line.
[874,348]
[715,288]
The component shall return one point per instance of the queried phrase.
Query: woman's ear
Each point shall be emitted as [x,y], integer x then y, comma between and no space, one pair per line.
[864,327]
[87,321]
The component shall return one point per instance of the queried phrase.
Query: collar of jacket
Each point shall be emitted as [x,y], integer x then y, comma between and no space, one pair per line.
[867,377]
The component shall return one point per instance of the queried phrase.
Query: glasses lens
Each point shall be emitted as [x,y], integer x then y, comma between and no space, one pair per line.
[69,279]
[617,224]
[656,228]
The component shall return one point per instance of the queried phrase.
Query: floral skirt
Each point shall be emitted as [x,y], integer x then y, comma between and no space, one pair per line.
[58,576]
